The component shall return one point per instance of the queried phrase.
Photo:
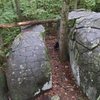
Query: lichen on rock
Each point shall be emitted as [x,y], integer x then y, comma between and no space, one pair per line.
[85,53]
[29,67]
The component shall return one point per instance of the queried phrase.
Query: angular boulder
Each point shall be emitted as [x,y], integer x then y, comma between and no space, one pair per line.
[29,69]
[84,48]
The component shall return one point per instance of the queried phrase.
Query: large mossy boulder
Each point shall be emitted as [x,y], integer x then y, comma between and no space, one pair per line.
[84,47]
[29,69]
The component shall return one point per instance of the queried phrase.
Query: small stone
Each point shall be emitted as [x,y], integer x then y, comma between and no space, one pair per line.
[73,97]
[66,79]
[72,89]
[66,66]
[65,93]
[55,97]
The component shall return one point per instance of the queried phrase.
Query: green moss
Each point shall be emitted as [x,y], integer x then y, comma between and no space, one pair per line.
[43,34]
[46,70]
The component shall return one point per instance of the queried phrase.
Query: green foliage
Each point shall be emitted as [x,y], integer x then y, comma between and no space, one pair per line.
[7,17]
[98,1]
[97,7]
[7,14]
[93,5]
[33,9]
[40,9]
[27,9]
[8,36]
[30,9]
[90,4]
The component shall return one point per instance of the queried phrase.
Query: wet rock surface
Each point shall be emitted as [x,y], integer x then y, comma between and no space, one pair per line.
[29,68]
[84,48]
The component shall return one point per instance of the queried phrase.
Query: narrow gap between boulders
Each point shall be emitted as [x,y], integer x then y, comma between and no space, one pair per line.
[63,83]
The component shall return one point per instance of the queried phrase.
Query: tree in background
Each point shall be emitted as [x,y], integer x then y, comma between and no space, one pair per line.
[97,6]
[75,4]
[18,11]
[13,10]
[63,34]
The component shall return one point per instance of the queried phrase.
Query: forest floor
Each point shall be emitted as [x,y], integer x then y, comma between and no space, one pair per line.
[64,85]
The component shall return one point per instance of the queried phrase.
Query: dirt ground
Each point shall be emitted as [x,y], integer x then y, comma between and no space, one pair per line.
[63,82]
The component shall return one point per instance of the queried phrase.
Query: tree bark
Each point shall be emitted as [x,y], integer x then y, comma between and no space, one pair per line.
[75,4]
[18,11]
[33,22]
[63,34]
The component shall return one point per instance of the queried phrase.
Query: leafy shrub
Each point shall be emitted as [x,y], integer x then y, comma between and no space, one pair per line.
[8,36]
[90,4]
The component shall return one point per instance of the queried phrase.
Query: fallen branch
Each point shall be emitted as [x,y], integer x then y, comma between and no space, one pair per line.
[33,22]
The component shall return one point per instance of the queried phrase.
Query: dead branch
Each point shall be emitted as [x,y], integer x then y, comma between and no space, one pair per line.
[33,22]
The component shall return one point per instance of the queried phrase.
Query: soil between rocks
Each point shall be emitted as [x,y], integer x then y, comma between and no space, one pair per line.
[63,82]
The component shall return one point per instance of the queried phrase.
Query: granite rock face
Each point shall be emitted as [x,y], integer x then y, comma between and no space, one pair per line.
[84,47]
[29,68]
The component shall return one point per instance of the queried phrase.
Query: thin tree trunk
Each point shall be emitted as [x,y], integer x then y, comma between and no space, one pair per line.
[17,4]
[2,5]
[13,5]
[75,4]
[63,34]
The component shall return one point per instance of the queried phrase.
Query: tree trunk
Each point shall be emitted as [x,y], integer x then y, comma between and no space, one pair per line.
[75,4]
[63,34]
[18,11]
[13,6]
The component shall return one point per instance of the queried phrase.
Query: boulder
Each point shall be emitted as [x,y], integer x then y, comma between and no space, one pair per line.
[29,70]
[79,13]
[84,48]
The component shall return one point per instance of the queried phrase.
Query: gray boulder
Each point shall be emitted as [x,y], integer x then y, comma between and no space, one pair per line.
[84,48]
[29,70]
